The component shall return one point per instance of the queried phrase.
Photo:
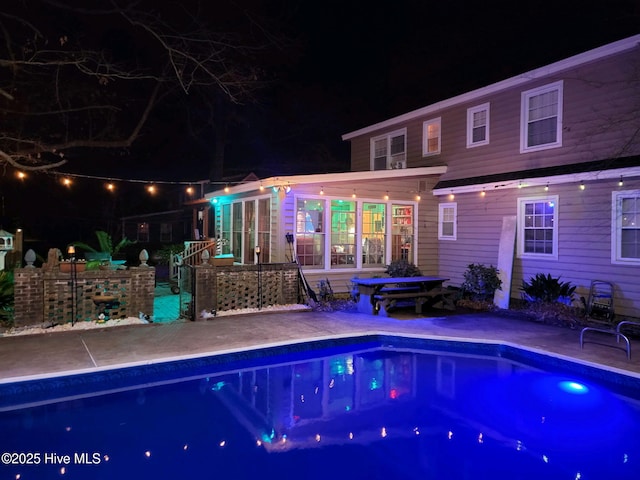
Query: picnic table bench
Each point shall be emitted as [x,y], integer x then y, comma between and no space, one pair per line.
[381,295]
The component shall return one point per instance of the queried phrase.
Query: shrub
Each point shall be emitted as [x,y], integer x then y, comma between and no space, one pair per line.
[6,297]
[402,268]
[481,282]
[547,289]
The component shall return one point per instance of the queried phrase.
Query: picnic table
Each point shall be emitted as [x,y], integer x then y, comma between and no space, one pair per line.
[380,295]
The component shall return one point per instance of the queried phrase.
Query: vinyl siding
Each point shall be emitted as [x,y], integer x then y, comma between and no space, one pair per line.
[584,240]
[600,117]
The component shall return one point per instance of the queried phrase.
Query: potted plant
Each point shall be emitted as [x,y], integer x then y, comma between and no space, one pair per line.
[106,247]
[481,282]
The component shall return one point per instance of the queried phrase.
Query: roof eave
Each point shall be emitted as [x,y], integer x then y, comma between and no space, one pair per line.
[327,178]
[567,63]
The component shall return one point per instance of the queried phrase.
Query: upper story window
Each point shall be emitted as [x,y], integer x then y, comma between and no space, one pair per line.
[625,223]
[143,232]
[541,121]
[478,125]
[389,151]
[166,232]
[431,137]
[538,227]
[447,220]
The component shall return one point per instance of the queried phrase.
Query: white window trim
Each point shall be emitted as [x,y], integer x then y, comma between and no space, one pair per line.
[470,112]
[616,201]
[425,139]
[441,208]
[520,232]
[387,136]
[524,117]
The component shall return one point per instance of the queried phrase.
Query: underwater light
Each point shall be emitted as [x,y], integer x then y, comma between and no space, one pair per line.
[573,387]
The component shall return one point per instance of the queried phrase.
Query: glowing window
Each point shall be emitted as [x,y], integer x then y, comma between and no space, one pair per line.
[431,137]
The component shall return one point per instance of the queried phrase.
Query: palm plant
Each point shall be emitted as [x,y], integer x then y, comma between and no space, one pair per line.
[105,244]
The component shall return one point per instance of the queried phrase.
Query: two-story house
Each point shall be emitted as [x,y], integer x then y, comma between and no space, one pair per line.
[540,172]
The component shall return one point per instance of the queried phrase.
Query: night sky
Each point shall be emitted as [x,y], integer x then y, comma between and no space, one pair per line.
[354,63]
[349,64]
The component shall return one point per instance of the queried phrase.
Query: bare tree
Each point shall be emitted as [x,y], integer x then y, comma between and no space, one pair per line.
[74,77]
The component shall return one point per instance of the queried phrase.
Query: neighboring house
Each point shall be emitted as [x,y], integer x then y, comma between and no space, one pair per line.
[556,150]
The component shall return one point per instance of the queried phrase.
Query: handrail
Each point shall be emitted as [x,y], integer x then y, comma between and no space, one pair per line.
[617,334]
[191,255]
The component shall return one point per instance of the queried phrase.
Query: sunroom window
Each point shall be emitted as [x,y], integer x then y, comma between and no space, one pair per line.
[310,232]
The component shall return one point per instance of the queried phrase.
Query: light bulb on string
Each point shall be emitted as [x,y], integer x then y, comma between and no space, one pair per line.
[66,182]
[190,190]
[582,187]
[621,182]
[151,189]
[110,186]
[386,195]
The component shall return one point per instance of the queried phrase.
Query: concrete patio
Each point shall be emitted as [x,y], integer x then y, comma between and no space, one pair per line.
[51,354]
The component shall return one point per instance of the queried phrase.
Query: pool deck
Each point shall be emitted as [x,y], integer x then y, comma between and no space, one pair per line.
[53,354]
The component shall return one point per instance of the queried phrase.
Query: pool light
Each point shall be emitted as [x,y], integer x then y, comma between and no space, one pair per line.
[573,387]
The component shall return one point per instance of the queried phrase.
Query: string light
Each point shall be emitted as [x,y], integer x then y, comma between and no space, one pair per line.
[621,182]
[151,189]
[582,187]
[353,195]
[546,187]
[226,188]
[66,182]
[386,195]
[520,184]
[190,190]
[418,198]
[451,196]
[321,190]
[483,193]
[110,186]
[261,187]
[21,175]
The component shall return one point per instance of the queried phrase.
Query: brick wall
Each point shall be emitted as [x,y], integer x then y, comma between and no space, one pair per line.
[53,296]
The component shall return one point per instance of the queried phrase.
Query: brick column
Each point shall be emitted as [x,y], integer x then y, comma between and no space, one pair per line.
[143,283]
[29,296]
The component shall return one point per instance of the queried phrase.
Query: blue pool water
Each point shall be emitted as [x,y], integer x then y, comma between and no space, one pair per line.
[375,407]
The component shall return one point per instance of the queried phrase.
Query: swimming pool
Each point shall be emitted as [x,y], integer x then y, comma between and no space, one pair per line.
[370,407]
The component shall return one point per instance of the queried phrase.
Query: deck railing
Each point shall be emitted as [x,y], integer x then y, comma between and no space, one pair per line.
[191,255]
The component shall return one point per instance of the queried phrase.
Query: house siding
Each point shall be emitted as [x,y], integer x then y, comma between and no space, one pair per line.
[594,94]
[584,240]
[601,101]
